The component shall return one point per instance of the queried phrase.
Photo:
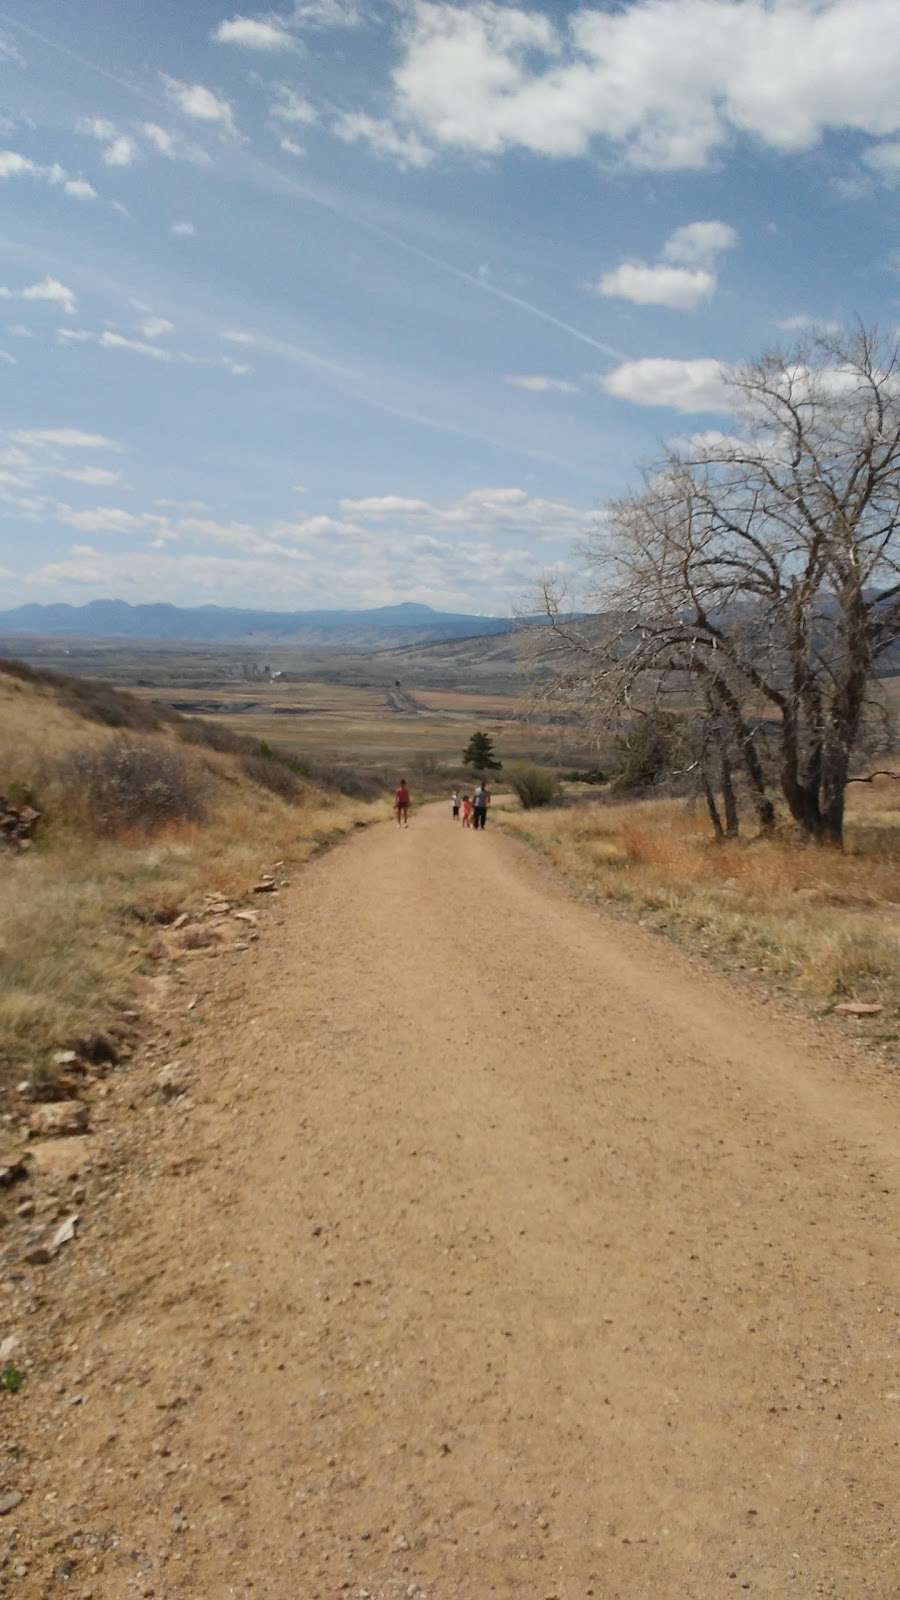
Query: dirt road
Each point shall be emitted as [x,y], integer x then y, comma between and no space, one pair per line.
[514,1257]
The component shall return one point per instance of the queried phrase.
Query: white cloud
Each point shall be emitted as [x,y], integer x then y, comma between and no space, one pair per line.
[108,519]
[327,14]
[384,505]
[98,477]
[98,128]
[685,275]
[9,50]
[668,83]
[384,138]
[676,287]
[291,147]
[698,385]
[802,321]
[235,336]
[156,327]
[15,165]
[123,152]
[80,189]
[254,34]
[19,331]
[52,290]
[202,104]
[540,385]
[884,159]
[117,341]
[852,186]
[64,438]
[288,106]
[183,230]
[10,360]
[120,149]
[699,244]
[173,146]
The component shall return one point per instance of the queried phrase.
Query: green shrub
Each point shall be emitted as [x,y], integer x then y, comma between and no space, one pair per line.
[534,786]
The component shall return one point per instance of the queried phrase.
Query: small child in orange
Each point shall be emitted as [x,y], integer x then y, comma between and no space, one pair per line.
[466,811]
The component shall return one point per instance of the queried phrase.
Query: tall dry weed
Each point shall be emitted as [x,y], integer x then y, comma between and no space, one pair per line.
[824,923]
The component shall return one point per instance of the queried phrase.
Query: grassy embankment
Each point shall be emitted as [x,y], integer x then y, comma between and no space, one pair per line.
[142,814]
[824,925]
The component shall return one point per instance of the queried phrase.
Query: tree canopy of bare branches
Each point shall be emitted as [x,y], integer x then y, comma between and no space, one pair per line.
[761,570]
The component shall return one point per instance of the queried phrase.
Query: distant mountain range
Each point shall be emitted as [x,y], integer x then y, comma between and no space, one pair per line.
[382,628]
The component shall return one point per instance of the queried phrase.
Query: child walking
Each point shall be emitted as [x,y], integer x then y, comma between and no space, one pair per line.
[466,811]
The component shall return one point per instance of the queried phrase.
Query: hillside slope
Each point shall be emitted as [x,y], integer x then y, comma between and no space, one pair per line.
[143,816]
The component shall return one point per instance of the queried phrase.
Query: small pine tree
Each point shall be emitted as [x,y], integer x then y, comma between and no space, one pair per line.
[479,753]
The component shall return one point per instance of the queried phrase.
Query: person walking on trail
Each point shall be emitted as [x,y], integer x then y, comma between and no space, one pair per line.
[481,799]
[454,801]
[401,805]
[466,811]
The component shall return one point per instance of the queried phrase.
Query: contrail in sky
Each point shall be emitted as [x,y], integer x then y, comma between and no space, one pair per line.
[343,207]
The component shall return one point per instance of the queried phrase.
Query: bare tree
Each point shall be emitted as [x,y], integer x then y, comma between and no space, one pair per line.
[764,567]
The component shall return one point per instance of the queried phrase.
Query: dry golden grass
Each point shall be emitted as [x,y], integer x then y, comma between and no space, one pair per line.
[824,924]
[77,912]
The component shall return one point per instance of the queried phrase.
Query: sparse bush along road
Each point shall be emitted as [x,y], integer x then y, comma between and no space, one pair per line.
[491,1250]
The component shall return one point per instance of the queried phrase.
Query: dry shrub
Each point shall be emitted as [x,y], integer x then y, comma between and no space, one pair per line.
[822,922]
[272,774]
[128,784]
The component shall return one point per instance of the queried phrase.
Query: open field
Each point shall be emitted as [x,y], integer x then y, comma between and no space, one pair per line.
[330,706]
[355,724]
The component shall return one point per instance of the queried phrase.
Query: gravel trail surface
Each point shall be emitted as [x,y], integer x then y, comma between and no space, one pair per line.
[496,1251]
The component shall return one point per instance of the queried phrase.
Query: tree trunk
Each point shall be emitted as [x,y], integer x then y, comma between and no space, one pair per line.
[713,809]
[745,743]
[729,798]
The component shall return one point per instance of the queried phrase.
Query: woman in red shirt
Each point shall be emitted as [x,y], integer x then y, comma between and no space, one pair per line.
[401,805]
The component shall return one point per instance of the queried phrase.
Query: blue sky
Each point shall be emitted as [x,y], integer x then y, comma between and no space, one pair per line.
[343,304]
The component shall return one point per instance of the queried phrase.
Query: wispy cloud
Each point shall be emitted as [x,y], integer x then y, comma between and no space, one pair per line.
[802,321]
[254,33]
[291,107]
[538,384]
[183,230]
[63,439]
[109,339]
[14,165]
[402,146]
[201,104]
[173,146]
[156,327]
[54,292]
